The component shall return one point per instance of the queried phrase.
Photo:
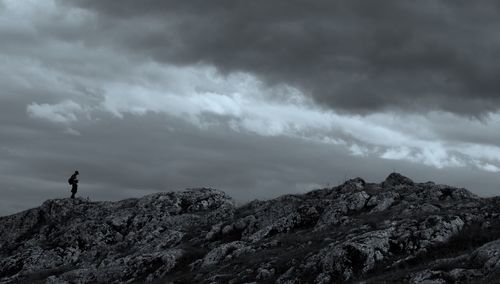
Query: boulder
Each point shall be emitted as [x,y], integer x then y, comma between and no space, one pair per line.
[395,180]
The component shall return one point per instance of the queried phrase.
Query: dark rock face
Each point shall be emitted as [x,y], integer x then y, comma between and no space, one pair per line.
[75,241]
[396,179]
[397,231]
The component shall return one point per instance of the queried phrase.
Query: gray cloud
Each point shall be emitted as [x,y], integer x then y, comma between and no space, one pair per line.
[129,95]
[132,156]
[356,56]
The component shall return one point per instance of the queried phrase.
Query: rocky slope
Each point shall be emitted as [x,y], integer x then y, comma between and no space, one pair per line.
[396,231]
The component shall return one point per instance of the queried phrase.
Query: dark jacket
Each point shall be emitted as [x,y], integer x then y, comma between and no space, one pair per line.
[73,180]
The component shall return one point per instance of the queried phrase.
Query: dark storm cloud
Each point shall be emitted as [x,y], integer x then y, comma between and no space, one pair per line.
[95,89]
[359,56]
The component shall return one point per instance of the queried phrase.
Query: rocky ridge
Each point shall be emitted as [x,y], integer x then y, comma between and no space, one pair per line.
[397,231]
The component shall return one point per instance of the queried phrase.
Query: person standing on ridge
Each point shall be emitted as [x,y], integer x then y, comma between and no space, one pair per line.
[73,181]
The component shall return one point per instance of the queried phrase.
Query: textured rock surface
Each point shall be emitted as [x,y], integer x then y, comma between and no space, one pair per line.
[396,231]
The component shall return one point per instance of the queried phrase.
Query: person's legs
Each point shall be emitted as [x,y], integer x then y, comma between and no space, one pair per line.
[73,190]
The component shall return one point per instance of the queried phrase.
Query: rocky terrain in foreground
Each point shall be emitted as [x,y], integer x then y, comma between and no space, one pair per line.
[396,231]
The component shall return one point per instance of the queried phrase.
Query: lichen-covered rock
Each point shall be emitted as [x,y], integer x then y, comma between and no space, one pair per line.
[353,201]
[487,256]
[226,251]
[354,184]
[265,272]
[281,215]
[382,201]
[414,236]
[429,208]
[357,255]
[456,275]
[89,242]
[357,231]
[429,277]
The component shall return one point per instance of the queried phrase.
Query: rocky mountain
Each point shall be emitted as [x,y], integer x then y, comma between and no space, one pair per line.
[396,231]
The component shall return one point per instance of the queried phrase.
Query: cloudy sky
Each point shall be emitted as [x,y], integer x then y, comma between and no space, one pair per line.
[257,98]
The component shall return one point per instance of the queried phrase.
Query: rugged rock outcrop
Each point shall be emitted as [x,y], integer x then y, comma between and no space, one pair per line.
[396,231]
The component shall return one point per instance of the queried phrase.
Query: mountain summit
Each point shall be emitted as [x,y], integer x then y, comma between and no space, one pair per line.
[394,231]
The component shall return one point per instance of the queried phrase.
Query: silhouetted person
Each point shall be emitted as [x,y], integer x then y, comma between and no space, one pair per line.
[73,181]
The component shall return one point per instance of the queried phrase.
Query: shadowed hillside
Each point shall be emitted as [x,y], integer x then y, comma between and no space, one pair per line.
[390,232]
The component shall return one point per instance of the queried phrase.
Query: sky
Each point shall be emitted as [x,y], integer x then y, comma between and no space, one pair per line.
[257,98]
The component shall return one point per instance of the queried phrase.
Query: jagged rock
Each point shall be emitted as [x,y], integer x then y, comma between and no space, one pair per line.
[382,201]
[437,229]
[429,277]
[429,208]
[396,179]
[412,236]
[284,224]
[230,250]
[287,277]
[105,241]
[356,231]
[227,229]
[333,214]
[341,261]
[265,272]
[282,215]
[356,201]
[216,229]
[487,256]
[457,275]
[462,193]
[464,275]
[354,184]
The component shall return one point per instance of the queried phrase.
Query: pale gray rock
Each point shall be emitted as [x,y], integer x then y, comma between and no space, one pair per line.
[227,229]
[265,272]
[288,277]
[351,185]
[487,256]
[428,277]
[464,275]
[429,208]
[356,255]
[357,231]
[214,231]
[229,250]
[457,275]
[88,242]
[382,201]
[353,201]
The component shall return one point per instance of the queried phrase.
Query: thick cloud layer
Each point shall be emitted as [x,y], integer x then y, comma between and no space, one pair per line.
[258,98]
[356,56]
